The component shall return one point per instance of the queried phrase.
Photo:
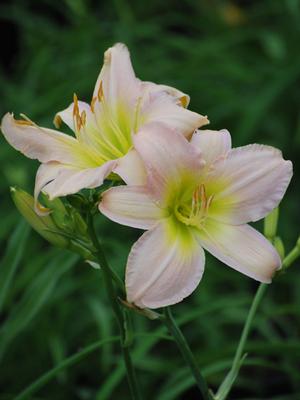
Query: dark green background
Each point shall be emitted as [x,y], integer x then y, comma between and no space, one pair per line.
[240,62]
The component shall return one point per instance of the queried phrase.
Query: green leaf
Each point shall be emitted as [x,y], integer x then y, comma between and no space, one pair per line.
[12,258]
[66,363]
[36,295]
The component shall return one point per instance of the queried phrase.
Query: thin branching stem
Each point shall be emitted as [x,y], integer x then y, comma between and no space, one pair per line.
[270,231]
[186,352]
[111,292]
[228,382]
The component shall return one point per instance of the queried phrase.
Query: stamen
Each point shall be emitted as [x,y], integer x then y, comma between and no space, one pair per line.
[137,112]
[202,199]
[26,121]
[94,99]
[124,142]
[196,213]
[100,94]
[83,117]
[78,122]
[75,106]
[209,201]
[194,202]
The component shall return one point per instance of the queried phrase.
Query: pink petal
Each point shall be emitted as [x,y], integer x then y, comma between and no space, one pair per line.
[213,145]
[67,117]
[182,99]
[161,107]
[131,169]
[42,144]
[242,248]
[58,180]
[252,181]
[172,163]
[132,206]
[117,78]
[163,268]
[89,133]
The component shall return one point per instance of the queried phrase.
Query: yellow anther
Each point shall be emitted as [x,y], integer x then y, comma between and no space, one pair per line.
[83,117]
[78,121]
[25,121]
[94,99]
[100,94]
[75,105]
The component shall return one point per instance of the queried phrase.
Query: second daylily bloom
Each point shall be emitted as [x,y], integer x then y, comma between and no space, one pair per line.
[198,195]
[120,106]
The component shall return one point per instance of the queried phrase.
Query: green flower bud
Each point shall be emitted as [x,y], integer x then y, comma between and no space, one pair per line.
[58,210]
[270,224]
[278,243]
[43,225]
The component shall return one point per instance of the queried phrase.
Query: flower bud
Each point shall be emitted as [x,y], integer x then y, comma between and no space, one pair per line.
[43,225]
[278,243]
[270,224]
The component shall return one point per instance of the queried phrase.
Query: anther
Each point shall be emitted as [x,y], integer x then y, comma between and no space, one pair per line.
[100,92]
[78,121]
[75,106]
[94,99]
[83,117]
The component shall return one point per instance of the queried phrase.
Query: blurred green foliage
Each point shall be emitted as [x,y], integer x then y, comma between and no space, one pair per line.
[240,62]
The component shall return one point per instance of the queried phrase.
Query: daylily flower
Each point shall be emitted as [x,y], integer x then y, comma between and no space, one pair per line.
[120,106]
[198,195]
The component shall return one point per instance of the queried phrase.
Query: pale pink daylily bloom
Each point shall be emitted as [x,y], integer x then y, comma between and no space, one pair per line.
[198,195]
[121,105]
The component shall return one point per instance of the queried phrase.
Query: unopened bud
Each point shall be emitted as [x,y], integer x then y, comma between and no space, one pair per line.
[270,224]
[278,243]
[44,225]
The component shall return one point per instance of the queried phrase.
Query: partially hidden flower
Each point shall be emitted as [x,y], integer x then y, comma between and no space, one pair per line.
[198,195]
[120,106]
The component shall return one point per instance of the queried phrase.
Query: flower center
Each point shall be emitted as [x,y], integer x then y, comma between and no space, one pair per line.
[194,212]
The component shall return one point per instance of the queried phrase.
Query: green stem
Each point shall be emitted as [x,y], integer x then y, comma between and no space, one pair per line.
[291,257]
[108,281]
[186,352]
[228,382]
[226,385]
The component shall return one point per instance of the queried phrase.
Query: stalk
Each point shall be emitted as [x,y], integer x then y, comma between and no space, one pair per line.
[111,293]
[228,382]
[186,352]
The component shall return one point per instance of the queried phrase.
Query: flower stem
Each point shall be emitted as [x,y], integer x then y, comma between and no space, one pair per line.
[228,382]
[186,352]
[291,257]
[226,385]
[111,292]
